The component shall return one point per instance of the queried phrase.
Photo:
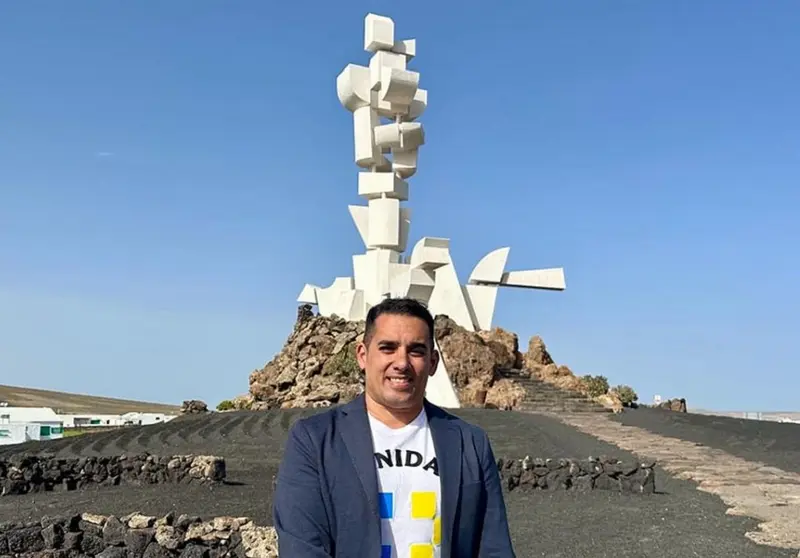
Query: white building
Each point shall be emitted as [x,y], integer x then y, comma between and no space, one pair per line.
[85,420]
[23,424]
[144,419]
[42,415]
[88,420]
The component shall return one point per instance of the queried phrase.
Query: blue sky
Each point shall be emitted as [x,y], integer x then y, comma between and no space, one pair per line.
[172,173]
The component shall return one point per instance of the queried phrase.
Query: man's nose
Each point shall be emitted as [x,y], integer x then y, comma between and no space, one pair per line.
[402,361]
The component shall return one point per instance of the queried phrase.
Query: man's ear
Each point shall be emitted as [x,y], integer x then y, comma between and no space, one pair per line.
[361,355]
[434,362]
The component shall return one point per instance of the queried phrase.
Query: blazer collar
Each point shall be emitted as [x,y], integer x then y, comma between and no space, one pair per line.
[447,441]
[357,437]
[446,436]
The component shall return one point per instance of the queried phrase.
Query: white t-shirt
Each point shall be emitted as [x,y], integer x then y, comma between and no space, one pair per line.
[409,489]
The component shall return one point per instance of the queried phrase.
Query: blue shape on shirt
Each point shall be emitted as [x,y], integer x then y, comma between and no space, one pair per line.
[386,505]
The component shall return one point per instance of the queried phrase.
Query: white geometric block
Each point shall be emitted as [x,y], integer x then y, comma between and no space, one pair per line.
[439,390]
[360,215]
[547,279]
[412,135]
[380,262]
[407,48]
[351,305]
[373,185]
[380,61]
[378,33]
[405,228]
[366,271]
[398,87]
[389,110]
[384,223]
[430,253]
[353,87]
[491,267]
[388,136]
[384,165]
[367,154]
[308,295]
[362,274]
[420,285]
[418,105]
[400,136]
[481,301]
[398,279]
[404,162]
[448,297]
[337,298]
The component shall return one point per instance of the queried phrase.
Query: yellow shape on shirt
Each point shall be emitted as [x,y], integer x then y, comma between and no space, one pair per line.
[437,530]
[423,505]
[421,551]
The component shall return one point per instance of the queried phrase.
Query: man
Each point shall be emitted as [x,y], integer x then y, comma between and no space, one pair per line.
[390,475]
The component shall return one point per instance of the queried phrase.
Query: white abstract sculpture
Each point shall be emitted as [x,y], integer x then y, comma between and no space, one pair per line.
[386,100]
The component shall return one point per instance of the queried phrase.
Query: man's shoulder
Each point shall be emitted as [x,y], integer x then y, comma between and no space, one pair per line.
[318,422]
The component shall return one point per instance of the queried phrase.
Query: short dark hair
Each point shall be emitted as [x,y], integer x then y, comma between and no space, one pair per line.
[398,306]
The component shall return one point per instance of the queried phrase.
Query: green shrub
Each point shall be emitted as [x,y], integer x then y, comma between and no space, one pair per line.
[225,405]
[595,385]
[626,395]
[343,364]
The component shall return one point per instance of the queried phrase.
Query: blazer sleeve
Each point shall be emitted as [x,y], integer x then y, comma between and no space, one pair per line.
[495,539]
[299,514]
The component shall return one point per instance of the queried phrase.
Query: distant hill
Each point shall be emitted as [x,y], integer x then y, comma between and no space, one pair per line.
[77,403]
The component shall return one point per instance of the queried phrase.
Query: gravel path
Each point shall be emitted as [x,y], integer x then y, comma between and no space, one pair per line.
[773,443]
[677,521]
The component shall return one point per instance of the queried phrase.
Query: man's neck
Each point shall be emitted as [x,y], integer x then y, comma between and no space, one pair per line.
[393,418]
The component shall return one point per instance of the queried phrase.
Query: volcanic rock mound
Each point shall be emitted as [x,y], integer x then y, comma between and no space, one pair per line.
[317,365]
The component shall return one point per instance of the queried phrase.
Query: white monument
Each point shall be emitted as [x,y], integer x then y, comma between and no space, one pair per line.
[386,101]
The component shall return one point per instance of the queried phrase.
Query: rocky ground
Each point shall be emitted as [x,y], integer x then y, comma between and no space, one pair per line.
[677,520]
[317,367]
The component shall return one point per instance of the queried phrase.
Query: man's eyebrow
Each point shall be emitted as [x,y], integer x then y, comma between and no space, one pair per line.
[414,345]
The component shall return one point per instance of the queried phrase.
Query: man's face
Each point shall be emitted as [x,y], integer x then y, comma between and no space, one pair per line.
[398,361]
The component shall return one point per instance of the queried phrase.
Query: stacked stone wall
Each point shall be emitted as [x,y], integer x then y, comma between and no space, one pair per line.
[23,474]
[569,474]
[138,536]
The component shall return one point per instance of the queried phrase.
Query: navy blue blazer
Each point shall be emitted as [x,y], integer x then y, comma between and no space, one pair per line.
[326,494]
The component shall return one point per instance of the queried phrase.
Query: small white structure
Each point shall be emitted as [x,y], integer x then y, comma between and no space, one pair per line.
[144,419]
[88,420]
[22,424]
[19,432]
[386,101]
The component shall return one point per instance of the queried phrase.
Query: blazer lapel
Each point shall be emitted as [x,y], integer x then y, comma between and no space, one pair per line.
[447,441]
[357,437]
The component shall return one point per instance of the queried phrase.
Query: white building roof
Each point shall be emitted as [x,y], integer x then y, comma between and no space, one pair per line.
[29,414]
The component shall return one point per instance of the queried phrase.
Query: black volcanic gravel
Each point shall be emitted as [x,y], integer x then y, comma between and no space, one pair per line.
[772,443]
[677,521]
